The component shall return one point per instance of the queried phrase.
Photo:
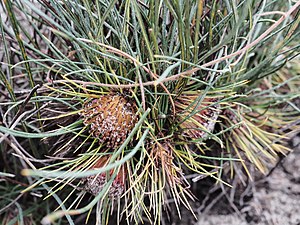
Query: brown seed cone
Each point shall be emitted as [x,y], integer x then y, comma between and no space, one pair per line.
[162,154]
[94,184]
[110,117]
[167,168]
[196,120]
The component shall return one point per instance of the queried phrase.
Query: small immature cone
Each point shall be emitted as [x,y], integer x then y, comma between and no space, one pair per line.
[201,118]
[94,184]
[162,154]
[111,118]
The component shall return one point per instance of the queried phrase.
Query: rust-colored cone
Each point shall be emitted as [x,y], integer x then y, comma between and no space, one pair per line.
[196,120]
[111,118]
[94,184]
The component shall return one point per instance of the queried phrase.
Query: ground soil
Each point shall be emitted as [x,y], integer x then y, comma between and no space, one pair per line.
[274,200]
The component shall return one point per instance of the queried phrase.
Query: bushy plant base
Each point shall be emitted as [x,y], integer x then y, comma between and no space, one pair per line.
[111,110]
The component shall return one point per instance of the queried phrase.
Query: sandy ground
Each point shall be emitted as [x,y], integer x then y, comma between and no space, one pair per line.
[276,199]
[271,200]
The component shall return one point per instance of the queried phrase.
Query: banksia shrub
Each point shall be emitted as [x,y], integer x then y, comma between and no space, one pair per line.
[111,110]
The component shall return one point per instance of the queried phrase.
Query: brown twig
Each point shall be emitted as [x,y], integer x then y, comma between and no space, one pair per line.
[11,203]
[17,150]
[256,41]
[136,62]
[188,72]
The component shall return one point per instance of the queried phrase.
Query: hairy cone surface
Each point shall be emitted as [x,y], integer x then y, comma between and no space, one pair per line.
[196,120]
[111,118]
[94,184]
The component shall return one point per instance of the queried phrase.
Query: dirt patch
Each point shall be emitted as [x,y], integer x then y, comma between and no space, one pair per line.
[276,198]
